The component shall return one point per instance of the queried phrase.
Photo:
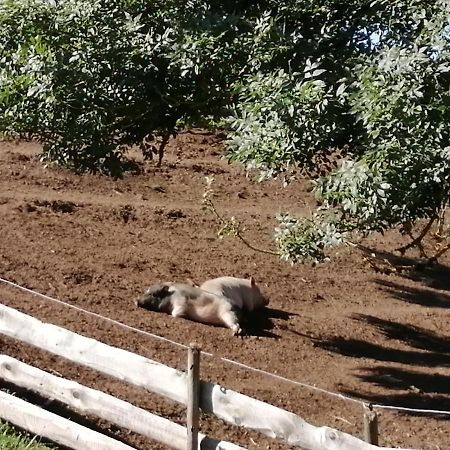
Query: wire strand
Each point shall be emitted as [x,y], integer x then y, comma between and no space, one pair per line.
[98,316]
[287,380]
[416,410]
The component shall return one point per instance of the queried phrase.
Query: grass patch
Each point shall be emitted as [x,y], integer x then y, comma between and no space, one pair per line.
[11,439]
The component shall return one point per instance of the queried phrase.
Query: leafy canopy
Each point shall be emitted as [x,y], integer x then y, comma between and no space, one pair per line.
[384,95]
[90,78]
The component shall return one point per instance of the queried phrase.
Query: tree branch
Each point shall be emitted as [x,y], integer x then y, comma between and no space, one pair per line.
[444,249]
[441,224]
[237,232]
[417,242]
[164,142]
[252,247]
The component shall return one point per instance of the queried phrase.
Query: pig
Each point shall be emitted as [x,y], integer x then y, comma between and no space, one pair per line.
[242,293]
[191,302]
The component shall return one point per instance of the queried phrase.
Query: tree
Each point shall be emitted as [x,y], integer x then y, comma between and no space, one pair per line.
[388,101]
[90,78]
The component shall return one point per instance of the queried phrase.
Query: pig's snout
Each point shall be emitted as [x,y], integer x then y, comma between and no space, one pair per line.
[156,298]
[148,301]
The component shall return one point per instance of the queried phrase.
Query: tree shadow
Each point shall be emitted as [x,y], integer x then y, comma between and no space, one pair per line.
[415,389]
[362,349]
[414,401]
[418,296]
[400,379]
[131,166]
[424,391]
[412,335]
[436,276]
[429,348]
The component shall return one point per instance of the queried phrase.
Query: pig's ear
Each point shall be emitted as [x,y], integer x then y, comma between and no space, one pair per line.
[252,281]
[164,290]
[191,282]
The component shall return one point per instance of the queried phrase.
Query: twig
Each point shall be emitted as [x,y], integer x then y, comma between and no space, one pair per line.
[419,245]
[441,223]
[237,233]
[440,253]
[164,142]
[252,247]
[344,420]
[388,269]
[418,240]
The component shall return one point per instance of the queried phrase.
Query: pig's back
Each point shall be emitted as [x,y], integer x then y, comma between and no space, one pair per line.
[239,292]
[199,305]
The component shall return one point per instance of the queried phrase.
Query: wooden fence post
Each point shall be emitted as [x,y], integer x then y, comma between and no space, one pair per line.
[370,425]
[193,396]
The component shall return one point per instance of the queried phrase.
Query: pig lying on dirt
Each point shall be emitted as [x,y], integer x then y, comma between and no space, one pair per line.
[220,301]
[242,293]
[183,300]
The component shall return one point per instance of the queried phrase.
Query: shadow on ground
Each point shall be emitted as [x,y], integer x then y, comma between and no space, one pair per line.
[400,379]
[408,389]
[418,296]
[262,321]
[436,276]
[425,349]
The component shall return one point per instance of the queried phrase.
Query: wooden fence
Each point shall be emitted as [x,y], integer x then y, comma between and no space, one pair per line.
[183,387]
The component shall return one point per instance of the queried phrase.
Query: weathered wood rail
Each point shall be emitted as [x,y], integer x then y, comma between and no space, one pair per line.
[185,388]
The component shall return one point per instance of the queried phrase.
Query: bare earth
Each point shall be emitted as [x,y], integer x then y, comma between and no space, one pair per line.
[97,243]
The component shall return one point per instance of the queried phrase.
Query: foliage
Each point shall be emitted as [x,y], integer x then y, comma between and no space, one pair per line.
[295,108]
[283,119]
[293,81]
[395,95]
[73,75]
[90,78]
[300,239]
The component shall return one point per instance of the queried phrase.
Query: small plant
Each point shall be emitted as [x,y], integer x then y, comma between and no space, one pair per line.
[231,226]
[10,439]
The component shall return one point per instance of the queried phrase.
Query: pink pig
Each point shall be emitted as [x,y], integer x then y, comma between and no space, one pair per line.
[242,293]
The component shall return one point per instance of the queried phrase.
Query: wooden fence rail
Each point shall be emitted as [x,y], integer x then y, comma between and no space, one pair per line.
[62,431]
[93,402]
[228,405]
[113,361]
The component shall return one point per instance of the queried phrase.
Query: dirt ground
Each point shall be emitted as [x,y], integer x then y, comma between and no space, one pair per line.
[97,243]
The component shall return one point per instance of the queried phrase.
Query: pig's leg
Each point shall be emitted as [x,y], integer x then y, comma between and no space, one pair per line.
[231,320]
[178,311]
[179,308]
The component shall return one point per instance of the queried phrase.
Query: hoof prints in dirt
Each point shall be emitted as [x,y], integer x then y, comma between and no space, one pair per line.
[207,170]
[57,206]
[79,278]
[171,213]
[126,213]
[18,157]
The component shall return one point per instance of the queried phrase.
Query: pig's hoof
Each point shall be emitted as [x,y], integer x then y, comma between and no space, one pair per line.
[237,331]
